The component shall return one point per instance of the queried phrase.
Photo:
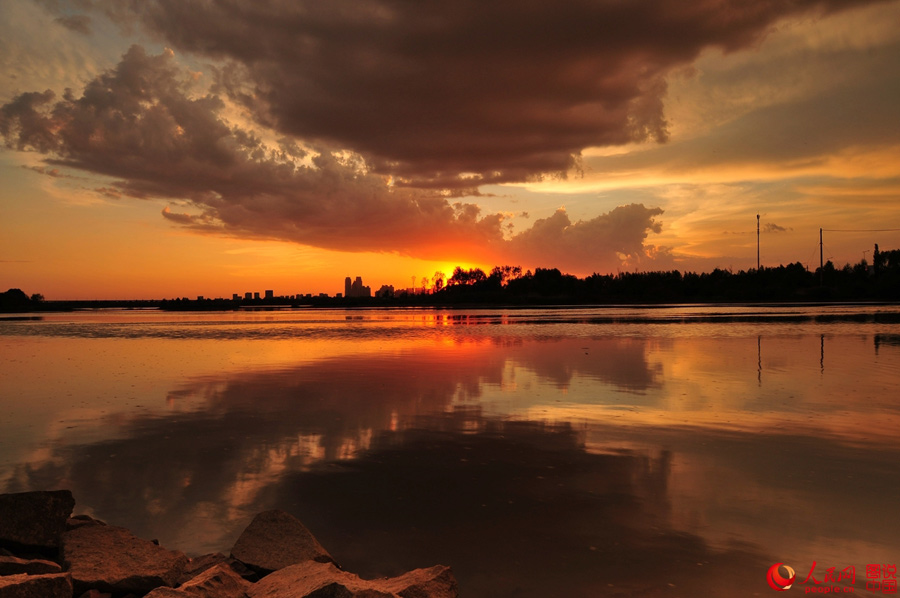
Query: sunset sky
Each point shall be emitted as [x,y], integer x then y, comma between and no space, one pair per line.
[163,148]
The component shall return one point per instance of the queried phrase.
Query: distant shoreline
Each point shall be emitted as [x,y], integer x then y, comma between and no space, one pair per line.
[508,288]
[332,303]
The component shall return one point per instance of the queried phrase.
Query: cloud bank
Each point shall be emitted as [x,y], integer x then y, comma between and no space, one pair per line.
[384,111]
[451,94]
[139,124]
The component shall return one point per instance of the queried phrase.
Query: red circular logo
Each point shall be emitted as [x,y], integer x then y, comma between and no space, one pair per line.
[778,582]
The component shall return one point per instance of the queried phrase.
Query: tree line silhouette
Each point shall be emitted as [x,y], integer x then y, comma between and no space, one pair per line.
[879,281]
[509,285]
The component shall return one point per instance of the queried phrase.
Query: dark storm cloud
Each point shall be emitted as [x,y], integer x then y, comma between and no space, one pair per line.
[139,124]
[428,91]
[383,111]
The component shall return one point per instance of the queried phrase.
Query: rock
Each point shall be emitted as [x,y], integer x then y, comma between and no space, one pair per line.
[243,570]
[217,582]
[82,520]
[323,580]
[274,540]
[112,559]
[10,565]
[53,585]
[198,565]
[34,520]
[102,561]
[433,582]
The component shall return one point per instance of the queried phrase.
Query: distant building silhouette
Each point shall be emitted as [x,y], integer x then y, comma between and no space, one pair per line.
[386,290]
[248,296]
[356,288]
[270,294]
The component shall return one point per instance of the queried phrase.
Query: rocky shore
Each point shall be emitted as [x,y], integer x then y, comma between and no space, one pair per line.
[45,552]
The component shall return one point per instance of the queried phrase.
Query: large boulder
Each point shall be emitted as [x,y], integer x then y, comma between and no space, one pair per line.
[219,581]
[112,559]
[54,585]
[10,565]
[275,540]
[323,580]
[34,521]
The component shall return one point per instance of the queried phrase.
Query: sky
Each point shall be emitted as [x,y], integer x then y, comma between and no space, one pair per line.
[162,148]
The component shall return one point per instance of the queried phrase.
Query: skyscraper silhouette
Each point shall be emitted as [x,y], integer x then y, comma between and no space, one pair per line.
[356,288]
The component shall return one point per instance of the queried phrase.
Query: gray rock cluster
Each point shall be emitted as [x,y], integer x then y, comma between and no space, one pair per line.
[47,553]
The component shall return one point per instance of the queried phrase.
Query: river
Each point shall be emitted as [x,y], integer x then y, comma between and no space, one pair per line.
[581,452]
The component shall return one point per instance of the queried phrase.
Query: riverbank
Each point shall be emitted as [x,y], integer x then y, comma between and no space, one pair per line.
[47,553]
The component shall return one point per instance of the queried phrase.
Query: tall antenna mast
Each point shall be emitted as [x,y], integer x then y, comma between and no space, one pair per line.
[821,263]
[757,240]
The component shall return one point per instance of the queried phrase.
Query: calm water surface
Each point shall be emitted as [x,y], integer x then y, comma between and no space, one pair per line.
[541,453]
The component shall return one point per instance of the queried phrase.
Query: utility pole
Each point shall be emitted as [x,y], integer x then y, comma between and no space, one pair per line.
[757,241]
[821,263]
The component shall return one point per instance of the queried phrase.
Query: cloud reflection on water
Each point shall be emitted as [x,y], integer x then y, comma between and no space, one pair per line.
[534,467]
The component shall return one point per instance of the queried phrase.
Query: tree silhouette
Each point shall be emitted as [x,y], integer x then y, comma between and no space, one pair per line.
[463,277]
[15,300]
